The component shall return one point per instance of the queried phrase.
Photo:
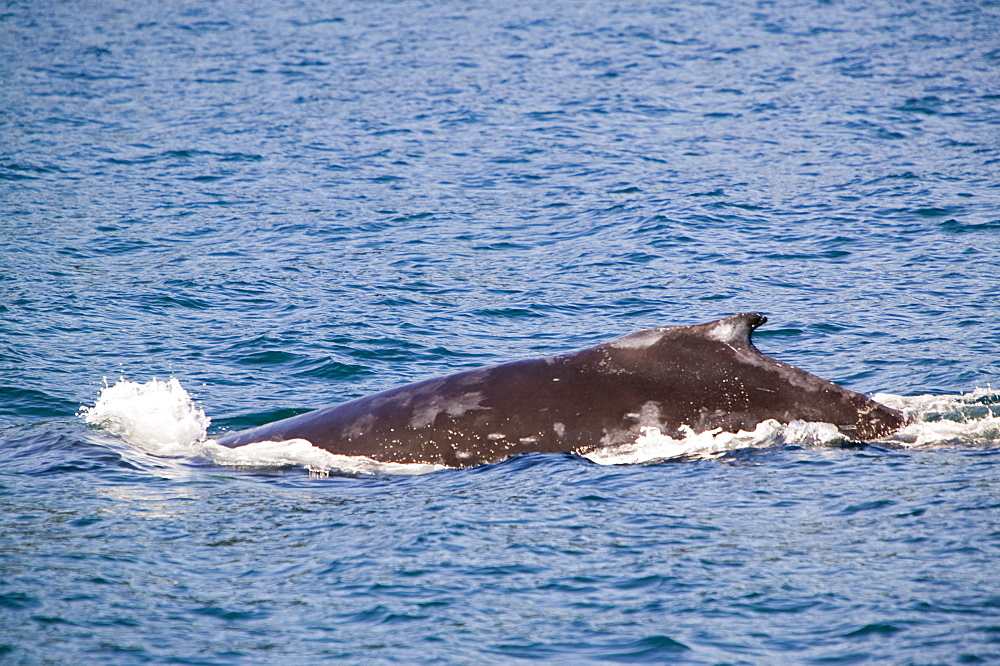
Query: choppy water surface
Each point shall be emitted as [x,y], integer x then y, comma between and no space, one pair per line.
[217,214]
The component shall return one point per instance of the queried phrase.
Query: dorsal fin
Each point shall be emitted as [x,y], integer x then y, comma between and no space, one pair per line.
[735,329]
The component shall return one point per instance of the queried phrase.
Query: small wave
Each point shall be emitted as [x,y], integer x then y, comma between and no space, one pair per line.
[652,445]
[300,452]
[967,419]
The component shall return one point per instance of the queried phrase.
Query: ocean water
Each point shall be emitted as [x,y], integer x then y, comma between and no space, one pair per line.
[217,214]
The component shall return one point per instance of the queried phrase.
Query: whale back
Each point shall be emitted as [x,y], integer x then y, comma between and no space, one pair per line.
[701,377]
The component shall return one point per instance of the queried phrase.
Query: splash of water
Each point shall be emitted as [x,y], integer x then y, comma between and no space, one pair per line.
[157,417]
[652,445]
[969,419]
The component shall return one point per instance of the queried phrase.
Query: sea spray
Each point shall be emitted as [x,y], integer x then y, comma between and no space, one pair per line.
[158,417]
[968,419]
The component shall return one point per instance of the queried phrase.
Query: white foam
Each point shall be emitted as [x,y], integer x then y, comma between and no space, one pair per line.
[295,452]
[157,417]
[967,419]
[653,445]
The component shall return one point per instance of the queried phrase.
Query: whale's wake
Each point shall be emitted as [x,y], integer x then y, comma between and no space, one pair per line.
[159,418]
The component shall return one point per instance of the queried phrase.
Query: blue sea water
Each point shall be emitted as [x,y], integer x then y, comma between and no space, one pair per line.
[217,214]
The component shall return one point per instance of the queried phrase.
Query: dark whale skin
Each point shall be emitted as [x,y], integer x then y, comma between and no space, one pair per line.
[704,377]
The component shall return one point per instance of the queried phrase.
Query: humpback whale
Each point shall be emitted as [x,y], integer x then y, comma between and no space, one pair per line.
[673,378]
